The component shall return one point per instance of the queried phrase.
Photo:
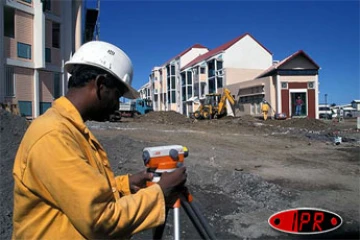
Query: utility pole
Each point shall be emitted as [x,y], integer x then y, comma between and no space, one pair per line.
[326,99]
[97,37]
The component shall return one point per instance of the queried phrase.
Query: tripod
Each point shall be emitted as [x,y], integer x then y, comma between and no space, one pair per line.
[166,159]
[199,222]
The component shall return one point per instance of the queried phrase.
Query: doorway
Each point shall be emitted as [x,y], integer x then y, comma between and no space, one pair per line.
[298,104]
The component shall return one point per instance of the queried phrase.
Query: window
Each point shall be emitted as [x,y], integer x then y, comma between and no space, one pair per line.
[9,82]
[57,89]
[189,77]
[44,106]
[172,82]
[173,97]
[168,83]
[183,93]
[189,92]
[27,1]
[212,85]
[9,26]
[219,65]
[219,81]
[196,90]
[23,50]
[56,35]
[48,55]
[172,70]
[46,5]
[183,78]
[25,108]
[311,85]
[203,85]
[202,70]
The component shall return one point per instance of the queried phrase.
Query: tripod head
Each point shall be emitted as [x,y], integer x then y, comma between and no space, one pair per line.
[164,159]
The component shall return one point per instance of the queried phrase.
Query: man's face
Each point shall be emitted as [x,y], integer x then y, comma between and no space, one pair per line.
[108,98]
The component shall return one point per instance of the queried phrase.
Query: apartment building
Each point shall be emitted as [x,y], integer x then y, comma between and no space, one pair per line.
[246,68]
[38,36]
[145,91]
[165,79]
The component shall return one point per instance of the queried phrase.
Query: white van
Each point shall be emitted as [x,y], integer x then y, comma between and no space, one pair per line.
[325,112]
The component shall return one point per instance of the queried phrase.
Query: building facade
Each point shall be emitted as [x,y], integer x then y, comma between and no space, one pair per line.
[245,67]
[281,85]
[38,37]
[165,80]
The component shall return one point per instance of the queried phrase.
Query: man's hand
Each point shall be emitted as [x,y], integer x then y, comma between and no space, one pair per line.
[172,184]
[138,180]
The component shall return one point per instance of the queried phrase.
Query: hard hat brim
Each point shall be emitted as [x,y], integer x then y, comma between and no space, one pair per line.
[130,93]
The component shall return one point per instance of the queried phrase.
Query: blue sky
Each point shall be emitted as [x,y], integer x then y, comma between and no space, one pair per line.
[152,32]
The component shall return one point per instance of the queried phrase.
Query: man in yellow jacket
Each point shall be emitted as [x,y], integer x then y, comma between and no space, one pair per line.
[265,109]
[64,187]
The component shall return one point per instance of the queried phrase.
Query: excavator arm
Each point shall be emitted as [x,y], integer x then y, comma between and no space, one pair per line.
[226,96]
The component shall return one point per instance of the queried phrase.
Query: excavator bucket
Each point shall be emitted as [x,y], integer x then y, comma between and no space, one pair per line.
[229,109]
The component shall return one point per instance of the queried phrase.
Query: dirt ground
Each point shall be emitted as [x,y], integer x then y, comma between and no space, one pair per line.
[240,170]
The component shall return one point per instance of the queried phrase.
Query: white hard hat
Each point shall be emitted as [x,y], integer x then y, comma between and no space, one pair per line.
[107,57]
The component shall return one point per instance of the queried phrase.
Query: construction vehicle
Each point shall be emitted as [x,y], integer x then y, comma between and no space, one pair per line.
[130,109]
[216,105]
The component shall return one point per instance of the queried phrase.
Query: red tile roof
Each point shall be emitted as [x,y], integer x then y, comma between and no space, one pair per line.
[220,49]
[197,45]
[285,60]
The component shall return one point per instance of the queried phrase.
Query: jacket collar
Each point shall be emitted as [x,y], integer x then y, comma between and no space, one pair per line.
[68,111]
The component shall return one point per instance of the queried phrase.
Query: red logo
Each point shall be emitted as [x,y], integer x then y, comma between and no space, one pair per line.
[305,221]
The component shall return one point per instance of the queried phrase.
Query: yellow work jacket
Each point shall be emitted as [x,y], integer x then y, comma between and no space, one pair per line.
[265,107]
[65,188]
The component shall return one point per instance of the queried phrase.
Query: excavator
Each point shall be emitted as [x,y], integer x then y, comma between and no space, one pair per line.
[216,106]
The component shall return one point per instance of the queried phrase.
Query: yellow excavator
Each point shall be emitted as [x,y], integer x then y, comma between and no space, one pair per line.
[216,106]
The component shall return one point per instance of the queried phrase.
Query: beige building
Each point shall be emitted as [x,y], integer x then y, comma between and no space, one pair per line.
[246,68]
[165,82]
[37,38]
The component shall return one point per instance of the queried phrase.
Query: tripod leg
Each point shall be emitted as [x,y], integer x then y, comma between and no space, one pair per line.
[177,220]
[192,216]
[204,223]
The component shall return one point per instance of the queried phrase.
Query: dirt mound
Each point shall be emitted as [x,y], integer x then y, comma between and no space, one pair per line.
[305,123]
[12,129]
[168,117]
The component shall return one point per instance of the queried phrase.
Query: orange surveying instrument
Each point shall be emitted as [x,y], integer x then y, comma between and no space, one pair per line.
[166,159]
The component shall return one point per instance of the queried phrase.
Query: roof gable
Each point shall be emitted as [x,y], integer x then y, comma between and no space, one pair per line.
[220,49]
[285,63]
[197,45]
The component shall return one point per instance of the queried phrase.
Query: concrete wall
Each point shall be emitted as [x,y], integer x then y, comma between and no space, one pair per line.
[298,78]
[24,83]
[247,54]
[46,86]
[191,55]
[237,75]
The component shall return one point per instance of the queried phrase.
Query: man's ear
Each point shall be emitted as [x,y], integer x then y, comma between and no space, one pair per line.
[99,84]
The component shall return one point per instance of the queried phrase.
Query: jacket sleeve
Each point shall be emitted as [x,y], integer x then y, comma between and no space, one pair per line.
[123,184]
[58,172]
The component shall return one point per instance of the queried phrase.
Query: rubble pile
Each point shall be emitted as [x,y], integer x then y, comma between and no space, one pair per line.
[305,123]
[164,117]
[12,129]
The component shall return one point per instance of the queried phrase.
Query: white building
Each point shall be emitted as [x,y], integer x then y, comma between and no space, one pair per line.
[37,38]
